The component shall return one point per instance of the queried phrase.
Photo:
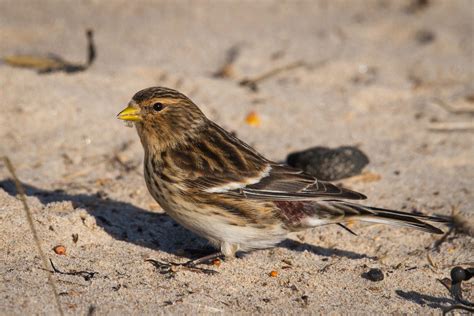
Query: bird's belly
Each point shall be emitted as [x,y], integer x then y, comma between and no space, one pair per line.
[217,229]
[216,225]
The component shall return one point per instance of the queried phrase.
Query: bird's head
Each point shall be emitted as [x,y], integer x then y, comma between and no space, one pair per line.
[163,116]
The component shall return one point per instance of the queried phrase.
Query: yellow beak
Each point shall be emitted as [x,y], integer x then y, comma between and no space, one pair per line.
[130,114]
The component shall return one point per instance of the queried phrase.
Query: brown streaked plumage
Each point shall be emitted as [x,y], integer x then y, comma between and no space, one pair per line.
[220,188]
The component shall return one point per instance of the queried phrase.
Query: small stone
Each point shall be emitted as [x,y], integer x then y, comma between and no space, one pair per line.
[329,164]
[374,275]
[424,37]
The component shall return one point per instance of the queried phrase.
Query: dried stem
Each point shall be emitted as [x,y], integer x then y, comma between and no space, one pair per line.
[29,216]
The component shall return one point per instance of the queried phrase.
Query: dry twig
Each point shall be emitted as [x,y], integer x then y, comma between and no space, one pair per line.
[451,126]
[53,63]
[29,216]
[251,83]
[87,275]
[227,69]
[466,109]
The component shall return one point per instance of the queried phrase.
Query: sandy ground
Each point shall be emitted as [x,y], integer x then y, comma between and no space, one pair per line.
[377,74]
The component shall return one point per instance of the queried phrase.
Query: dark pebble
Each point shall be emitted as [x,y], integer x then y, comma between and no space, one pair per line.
[374,274]
[329,164]
[425,36]
[458,274]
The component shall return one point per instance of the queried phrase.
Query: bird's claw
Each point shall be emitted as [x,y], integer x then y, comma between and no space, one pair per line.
[169,267]
[191,266]
[163,267]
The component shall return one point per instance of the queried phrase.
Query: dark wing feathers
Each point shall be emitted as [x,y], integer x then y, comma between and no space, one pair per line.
[288,184]
[236,162]
[297,214]
[376,214]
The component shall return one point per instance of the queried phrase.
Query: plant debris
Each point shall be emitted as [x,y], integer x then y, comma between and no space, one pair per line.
[253,119]
[21,190]
[87,275]
[252,83]
[227,69]
[459,105]
[451,126]
[170,268]
[60,250]
[53,63]
[458,275]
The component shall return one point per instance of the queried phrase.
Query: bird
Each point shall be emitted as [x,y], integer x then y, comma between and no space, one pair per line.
[220,188]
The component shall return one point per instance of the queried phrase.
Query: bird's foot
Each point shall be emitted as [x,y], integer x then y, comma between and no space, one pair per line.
[205,259]
[168,267]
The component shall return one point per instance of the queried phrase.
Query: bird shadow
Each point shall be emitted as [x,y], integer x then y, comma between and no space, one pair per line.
[426,300]
[157,231]
[295,245]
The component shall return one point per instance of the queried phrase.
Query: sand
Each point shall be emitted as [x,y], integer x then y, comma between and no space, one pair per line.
[376,74]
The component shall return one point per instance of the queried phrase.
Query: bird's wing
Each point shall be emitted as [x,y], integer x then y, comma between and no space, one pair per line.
[283,183]
[221,163]
[274,183]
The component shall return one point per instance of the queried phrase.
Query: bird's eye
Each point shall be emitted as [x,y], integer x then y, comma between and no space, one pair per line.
[158,106]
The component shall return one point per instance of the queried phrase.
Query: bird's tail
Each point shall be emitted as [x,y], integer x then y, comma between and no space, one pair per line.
[337,211]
